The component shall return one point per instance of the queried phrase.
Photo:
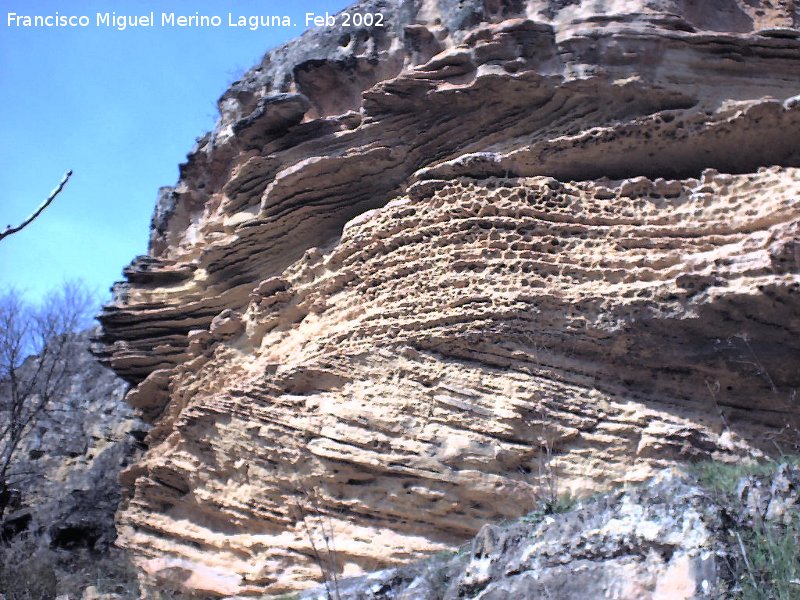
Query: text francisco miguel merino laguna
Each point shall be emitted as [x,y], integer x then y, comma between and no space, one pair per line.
[164,19]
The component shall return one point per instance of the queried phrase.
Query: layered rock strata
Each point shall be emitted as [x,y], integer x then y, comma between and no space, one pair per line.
[420,273]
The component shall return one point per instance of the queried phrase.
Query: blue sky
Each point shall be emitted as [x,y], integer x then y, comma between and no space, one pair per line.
[120,108]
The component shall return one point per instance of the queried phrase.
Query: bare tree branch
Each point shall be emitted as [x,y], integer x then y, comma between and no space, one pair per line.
[9,230]
[37,359]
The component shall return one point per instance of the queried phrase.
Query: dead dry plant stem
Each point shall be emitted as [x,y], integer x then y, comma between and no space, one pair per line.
[330,545]
[761,369]
[328,568]
[317,556]
[753,359]
[746,560]
[712,390]
[548,479]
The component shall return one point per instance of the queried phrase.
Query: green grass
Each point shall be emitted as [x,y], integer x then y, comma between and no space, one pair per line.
[564,503]
[766,561]
[722,478]
[772,570]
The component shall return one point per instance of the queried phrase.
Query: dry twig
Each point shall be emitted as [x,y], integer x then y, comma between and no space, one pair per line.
[9,229]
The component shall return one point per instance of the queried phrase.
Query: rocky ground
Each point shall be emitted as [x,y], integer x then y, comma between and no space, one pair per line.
[679,537]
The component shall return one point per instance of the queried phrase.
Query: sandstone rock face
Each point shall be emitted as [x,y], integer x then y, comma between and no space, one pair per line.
[418,274]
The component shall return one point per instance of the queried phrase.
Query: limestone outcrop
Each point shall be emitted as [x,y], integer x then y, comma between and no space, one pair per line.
[64,477]
[672,538]
[419,273]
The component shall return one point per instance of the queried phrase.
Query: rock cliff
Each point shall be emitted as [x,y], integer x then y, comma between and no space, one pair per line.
[420,274]
[64,477]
